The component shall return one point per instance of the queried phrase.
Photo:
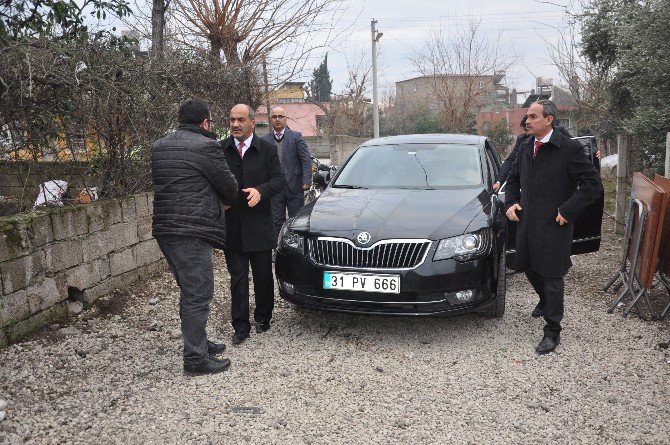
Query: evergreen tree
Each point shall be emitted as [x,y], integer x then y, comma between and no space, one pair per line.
[321,85]
[627,41]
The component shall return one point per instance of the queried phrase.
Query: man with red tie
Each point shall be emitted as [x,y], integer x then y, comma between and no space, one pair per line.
[250,237]
[543,197]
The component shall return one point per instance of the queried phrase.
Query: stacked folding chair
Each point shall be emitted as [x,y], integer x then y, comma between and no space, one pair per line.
[642,250]
[663,269]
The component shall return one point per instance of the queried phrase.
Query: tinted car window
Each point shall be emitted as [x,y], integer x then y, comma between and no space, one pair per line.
[412,166]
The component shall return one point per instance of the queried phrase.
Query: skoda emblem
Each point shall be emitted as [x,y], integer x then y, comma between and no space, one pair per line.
[363,238]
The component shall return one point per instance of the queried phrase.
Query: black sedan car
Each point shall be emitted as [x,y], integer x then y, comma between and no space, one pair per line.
[409,225]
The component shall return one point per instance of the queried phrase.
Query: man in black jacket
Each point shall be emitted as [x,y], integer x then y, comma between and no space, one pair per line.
[251,236]
[543,197]
[191,183]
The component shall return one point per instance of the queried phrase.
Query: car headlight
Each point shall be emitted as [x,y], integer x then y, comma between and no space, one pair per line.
[465,247]
[289,239]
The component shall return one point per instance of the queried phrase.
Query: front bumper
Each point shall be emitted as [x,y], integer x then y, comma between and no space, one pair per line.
[428,289]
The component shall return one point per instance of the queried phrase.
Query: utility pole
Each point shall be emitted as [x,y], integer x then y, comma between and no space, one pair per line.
[267,94]
[621,185]
[667,155]
[375,100]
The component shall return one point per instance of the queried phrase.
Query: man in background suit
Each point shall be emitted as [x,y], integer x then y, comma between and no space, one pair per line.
[296,164]
[250,235]
[506,167]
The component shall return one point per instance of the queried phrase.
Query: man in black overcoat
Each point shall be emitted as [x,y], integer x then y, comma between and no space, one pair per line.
[250,229]
[542,195]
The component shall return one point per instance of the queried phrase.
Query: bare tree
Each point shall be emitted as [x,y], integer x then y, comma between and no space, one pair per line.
[158,12]
[350,112]
[246,31]
[458,68]
[588,85]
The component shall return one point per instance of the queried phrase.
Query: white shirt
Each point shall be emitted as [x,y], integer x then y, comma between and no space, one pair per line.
[545,139]
[280,134]
[247,144]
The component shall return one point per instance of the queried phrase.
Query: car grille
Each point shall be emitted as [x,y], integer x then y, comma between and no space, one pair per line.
[387,254]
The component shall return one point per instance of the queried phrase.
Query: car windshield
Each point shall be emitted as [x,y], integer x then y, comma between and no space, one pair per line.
[412,166]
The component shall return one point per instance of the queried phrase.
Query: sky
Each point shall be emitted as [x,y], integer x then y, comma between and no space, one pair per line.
[520,26]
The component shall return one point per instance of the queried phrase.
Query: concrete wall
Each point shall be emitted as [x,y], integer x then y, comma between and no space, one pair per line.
[324,147]
[50,257]
[319,146]
[342,146]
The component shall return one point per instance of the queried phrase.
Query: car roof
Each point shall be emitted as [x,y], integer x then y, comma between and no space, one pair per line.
[465,139]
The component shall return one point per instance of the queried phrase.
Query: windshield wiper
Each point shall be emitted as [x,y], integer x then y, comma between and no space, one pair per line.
[347,186]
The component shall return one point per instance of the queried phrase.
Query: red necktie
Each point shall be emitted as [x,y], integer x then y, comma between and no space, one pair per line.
[240,149]
[538,144]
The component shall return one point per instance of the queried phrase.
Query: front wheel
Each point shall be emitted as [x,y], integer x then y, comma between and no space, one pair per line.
[498,308]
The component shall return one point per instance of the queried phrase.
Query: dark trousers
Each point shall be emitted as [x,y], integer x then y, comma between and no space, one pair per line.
[551,292]
[191,264]
[283,201]
[238,267]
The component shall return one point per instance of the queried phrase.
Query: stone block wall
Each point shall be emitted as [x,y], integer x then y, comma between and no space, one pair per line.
[50,257]
[22,178]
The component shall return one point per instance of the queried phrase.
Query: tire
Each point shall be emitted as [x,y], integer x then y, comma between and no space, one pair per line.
[498,308]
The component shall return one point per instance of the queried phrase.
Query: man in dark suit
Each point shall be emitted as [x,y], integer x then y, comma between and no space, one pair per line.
[506,166]
[296,163]
[192,183]
[543,197]
[250,236]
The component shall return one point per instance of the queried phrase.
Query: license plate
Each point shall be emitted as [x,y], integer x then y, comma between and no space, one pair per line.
[363,282]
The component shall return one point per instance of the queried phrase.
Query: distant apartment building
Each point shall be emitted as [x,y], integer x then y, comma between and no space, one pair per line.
[288,93]
[568,112]
[485,92]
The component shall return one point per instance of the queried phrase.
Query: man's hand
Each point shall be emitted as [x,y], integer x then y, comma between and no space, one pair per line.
[253,198]
[496,187]
[511,212]
[598,154]
[305,187]
[226,207]
[560,219]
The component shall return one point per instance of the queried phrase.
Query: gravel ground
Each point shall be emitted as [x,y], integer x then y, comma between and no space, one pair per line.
[114,375]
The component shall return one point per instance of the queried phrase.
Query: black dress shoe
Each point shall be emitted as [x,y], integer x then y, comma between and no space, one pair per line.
[209,366]
[215,348]
[547,345]
[262,326]
[537,312]
[239,337]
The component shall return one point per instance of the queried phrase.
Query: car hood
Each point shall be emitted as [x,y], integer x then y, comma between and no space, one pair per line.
[392,213]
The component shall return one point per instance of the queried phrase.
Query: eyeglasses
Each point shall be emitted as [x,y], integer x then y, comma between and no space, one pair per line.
[274,116]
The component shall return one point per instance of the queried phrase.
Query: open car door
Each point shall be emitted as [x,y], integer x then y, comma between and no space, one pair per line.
[586,236]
